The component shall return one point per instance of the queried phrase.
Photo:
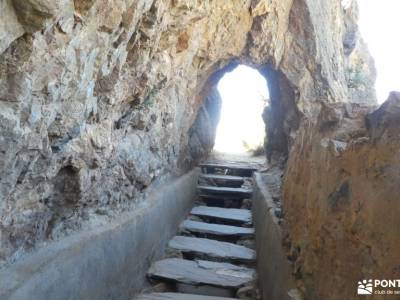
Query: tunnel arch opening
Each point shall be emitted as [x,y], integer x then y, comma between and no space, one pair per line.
[281,116]
[244,94]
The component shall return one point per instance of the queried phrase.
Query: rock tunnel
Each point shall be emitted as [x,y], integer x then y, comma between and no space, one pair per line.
[107,108]
[280,117]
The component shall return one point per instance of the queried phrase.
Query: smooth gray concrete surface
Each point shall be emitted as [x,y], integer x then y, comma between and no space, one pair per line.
[274,271]
[107,263]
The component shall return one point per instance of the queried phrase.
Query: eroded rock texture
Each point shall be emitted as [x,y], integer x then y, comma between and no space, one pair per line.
[341,198]
[96,102]
[98,99]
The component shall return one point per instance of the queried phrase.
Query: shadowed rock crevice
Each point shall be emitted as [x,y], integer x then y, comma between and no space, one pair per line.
[82,6]
[203,131]
[65,201]
[282,116]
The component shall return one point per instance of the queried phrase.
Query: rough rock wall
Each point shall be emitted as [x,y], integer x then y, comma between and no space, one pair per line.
[98,98]
[307,49]
[341,198]
[96,101]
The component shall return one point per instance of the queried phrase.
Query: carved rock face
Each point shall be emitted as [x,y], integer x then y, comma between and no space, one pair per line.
[340,194]
[100,98]
[101,94]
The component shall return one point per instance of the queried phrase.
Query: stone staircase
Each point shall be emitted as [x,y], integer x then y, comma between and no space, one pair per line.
[212,257]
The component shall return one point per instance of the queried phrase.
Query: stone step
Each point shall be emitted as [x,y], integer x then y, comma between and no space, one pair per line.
[212,248]
[220,197]
[234,169]
[178,296]
[216,229]
[205,290]
[201,272]
[230,214]
[224,180]
[236,193]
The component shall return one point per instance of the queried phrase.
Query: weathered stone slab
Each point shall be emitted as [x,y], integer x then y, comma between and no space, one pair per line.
[212,248]
[220,197]
[205,290]
[228,166]
[224,180]
[243,170]
[225,191]
[216,229]
[223,177]
[201,272]
[177,296]
[234,214]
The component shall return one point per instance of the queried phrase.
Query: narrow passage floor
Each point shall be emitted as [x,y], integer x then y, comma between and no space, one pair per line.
[212,257]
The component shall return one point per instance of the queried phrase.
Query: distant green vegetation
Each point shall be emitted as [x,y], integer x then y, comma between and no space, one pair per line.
[255,150]
[357,77]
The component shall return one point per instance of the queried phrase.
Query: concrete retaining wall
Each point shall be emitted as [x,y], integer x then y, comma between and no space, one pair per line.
[273,268]
[108,263]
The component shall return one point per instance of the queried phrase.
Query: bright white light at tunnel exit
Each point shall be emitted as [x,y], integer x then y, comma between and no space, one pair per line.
[379,25]
[243,92]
